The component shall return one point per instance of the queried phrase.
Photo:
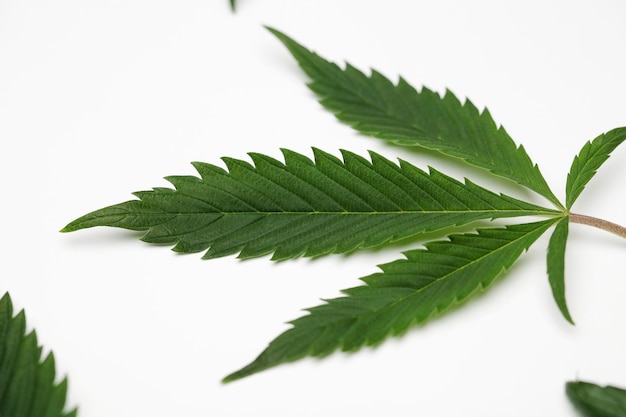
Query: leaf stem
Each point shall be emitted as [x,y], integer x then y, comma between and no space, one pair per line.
[599,223]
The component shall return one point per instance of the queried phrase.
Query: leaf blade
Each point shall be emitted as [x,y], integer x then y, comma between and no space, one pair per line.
[26,383]
[597,401]
[556,265]
[590,158]
[375,106]
[21,390]
[406,292]
[302,206]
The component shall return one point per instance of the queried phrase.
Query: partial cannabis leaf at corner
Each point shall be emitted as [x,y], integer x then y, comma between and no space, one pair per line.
[27,384]
[597,401]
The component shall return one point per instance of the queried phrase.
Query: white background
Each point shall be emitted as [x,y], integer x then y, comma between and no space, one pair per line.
[102,98]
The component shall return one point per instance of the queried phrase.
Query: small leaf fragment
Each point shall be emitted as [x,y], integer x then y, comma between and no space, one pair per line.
[303,207]
[556,265]
[589,160]
[375,106]
[19,397]
[407,292]
[597,401]
[27,386]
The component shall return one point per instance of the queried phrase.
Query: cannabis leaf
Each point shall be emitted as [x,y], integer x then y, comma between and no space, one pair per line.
[406,292]
[401,114]
[373,105]
[27,386]
[597,401]
[303,207]
[332,205]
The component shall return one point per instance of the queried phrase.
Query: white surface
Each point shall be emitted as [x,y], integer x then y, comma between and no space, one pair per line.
[102,98]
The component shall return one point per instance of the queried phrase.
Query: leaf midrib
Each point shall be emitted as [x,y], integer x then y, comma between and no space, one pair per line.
[547,212]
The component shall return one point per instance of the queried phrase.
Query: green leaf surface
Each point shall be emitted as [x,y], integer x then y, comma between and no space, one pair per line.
[590,158]
[408,291]
[556,265]
[399,113]
[596,401]
[27,386]
[232,5]
[302,207]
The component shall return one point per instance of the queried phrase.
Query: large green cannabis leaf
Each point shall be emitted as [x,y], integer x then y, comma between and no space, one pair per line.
[399,113]
[331,205]
[27,387]
[405,293]
[597,401]
[303,207]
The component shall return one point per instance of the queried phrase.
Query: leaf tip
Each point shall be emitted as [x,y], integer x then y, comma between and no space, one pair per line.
[235,376]
[294,47]
[228,379]
[273,31]
[74,225]
[568,316]
[261,363]
[280,35]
